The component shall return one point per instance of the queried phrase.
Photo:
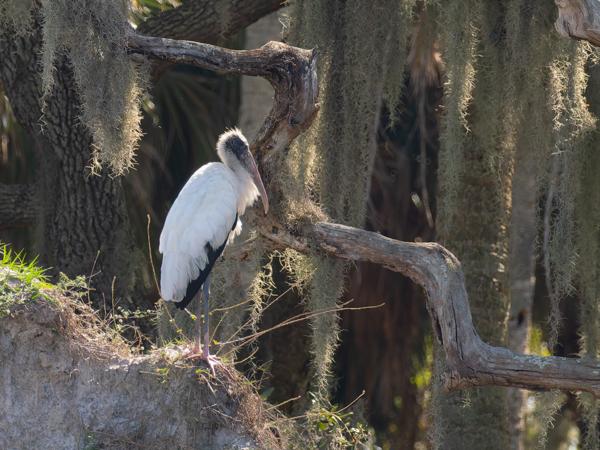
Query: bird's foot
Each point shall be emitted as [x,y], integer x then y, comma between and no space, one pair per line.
[212,362]
[194,353]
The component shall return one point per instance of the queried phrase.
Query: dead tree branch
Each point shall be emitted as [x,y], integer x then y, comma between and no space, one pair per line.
[18,205]
[579,19]
[291,71]
[470,361]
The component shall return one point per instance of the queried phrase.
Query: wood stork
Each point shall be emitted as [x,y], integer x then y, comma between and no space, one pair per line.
[203,219]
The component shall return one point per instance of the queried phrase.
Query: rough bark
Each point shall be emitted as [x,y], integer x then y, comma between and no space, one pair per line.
[62,389]
[18,205]
[82,221]
[579,19]
[207,20]
[478,237]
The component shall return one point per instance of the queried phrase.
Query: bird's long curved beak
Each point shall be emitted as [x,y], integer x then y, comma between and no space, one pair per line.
[253,170]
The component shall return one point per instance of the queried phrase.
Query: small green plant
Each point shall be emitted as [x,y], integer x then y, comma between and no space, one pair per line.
[26,272]
[77,287]
[333,427]
[19,279]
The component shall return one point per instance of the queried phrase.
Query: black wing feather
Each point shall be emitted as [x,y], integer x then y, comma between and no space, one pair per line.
[196,285]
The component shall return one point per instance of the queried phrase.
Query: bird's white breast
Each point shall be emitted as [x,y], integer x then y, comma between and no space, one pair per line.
[203,213]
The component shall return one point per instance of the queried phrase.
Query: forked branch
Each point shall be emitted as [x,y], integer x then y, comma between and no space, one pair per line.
[291,71]
[470,361]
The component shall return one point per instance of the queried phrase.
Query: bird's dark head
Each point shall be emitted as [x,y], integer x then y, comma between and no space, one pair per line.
[234,151]
[235,143]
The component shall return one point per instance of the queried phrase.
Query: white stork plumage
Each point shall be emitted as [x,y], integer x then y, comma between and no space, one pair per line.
[203,219]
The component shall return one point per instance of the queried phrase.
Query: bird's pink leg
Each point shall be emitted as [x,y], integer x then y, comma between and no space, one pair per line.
[195,351]
[211,360]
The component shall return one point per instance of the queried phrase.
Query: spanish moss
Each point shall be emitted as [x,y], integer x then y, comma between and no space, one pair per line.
[478,143]
[359,72]
[457,20]
[572,120]
[91,34]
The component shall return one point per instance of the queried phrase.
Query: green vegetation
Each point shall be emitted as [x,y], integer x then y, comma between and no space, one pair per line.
[20,280]
[332,427]
[23,281]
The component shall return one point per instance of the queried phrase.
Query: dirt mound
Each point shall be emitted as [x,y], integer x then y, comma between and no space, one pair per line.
[68,384]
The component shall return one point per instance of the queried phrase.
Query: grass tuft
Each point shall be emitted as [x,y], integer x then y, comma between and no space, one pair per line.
[19,280]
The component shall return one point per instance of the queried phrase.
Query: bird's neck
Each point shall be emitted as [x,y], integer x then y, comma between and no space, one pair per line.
[247,192]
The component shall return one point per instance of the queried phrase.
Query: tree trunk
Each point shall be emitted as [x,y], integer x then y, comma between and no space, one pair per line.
[18,205]
[382,350]
[82,227]
[475,219]
[479,238]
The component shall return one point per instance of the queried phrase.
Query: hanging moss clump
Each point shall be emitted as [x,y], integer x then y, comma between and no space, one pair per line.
[457,20]
[532,45]
[525,88]
[587,243]
[588,277]
[17,14]
[92,34]
[359,72]
[475,170]
[572,120]
[242,289]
